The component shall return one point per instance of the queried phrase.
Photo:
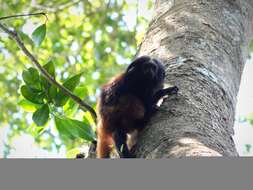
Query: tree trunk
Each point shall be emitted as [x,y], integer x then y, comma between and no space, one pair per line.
[204,45]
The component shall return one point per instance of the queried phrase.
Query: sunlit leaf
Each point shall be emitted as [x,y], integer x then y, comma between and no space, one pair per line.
[70,84]
[74,128]
[52,92]
[29,94]
[32,78]
[28,106]
[71,107]
[49,67]
[25,37]
[50,89]
[88,118]
[41,116]
[39,34]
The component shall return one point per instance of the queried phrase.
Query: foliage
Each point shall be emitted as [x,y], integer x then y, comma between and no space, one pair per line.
[81,44]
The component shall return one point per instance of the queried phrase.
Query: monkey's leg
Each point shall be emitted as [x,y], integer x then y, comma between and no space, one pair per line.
[120,140]
[104,144]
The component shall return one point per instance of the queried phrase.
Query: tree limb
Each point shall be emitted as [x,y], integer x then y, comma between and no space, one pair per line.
[82,104]
[22,15]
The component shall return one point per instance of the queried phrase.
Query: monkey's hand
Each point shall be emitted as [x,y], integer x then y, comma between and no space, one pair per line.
[163,92]
[170,90]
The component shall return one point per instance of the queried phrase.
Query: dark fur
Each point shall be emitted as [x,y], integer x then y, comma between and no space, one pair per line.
[127,102]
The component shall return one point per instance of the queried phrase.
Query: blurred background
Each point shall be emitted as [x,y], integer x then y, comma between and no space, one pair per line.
[97,38]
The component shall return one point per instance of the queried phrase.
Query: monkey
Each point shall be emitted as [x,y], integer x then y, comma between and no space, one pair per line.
[127,102]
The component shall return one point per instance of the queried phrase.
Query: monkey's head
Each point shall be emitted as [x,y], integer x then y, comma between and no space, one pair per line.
[145,73]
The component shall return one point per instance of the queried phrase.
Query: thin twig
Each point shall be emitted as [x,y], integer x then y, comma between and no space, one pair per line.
[82,104]
[23,15]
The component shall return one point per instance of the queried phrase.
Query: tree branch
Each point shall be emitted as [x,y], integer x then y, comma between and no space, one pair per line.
[82,104]
[22,15]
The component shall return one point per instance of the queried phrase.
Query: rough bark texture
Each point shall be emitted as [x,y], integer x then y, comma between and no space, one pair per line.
[203,44]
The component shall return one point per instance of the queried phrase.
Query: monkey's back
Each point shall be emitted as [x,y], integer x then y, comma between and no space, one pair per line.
[117,109]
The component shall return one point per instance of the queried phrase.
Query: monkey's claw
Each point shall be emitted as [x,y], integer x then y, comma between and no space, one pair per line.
[174,90]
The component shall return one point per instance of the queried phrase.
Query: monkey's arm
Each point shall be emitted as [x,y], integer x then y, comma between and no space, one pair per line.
[151,106]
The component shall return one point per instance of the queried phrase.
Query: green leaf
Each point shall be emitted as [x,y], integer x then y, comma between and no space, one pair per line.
[39,34]
[74,128]
[29,94]
[25,37]
[32,78]
[50,89]
[87,117]
[71,107]
[28,106]
[41,116]
[70,84]
[52,92]
[50,68]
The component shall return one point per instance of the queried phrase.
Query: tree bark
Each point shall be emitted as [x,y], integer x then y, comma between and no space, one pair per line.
[203,45]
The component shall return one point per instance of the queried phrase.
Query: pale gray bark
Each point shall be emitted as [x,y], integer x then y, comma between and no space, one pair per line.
[203,44]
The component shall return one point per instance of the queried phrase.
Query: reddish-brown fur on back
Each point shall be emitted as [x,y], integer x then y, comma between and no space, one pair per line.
[122,112]
[116,112]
